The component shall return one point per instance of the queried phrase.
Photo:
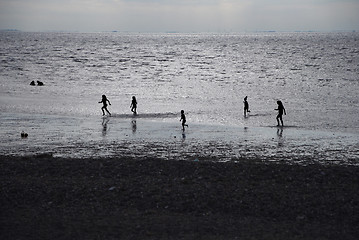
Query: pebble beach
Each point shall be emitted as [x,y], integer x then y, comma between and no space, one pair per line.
[143,198]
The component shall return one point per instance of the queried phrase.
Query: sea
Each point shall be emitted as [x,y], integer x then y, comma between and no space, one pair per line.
[314,74]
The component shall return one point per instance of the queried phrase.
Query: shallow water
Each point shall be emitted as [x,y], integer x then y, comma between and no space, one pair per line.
[207,75]
[78,137]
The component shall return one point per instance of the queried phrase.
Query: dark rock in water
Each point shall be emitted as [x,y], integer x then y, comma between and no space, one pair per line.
[24,134]
[40,83]
[32,83]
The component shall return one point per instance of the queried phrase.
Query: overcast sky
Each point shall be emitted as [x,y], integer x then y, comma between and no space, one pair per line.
[179,15]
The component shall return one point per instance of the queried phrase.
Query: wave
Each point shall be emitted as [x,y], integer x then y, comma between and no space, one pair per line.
[147,115]
[260,114]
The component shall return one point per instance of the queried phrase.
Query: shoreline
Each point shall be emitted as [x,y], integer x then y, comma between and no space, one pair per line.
[147,198]
[79,137]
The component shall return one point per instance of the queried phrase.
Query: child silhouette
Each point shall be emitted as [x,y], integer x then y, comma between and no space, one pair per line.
[183,119]
[246,106]
[134,105]
[104,107]
[280,110]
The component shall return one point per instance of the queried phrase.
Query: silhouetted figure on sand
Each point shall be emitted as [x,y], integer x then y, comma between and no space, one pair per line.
[134,105]
[183,119]
[104,107]
[280,110]
[246,106]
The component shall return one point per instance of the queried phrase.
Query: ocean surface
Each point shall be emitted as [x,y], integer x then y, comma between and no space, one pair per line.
[315,75]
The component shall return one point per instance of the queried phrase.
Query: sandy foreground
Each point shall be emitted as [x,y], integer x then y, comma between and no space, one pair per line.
[122,198]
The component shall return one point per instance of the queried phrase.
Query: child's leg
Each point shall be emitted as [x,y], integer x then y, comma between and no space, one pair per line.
[278,120]
[103,112]
[281,120]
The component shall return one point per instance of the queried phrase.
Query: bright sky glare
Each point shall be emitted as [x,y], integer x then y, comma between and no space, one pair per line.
[179,15]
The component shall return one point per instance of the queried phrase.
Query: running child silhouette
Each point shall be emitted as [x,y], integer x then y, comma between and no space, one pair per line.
[280,110]
[134,105]
[183,119]
[104,107]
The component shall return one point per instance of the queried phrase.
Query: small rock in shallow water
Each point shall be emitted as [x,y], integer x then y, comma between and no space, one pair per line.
[24,134]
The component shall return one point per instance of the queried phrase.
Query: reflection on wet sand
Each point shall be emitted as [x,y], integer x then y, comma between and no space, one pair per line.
[104,126]
[280,137]
[280,132]
[183,136]
[134,126]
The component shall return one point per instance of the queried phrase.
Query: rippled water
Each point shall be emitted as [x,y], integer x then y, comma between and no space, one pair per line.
[316,75]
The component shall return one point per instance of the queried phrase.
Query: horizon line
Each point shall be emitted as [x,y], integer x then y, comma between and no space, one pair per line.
[181,32]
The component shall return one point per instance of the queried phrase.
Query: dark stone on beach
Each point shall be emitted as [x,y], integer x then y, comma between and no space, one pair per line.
[46,198]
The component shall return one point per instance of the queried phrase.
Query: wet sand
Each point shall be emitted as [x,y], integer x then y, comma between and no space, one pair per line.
[141,198]
[161,136]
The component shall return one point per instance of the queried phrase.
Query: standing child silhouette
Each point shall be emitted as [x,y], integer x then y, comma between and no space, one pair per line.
[183,119]
[134,105]
[280,110]
[104,107]
[246,106]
